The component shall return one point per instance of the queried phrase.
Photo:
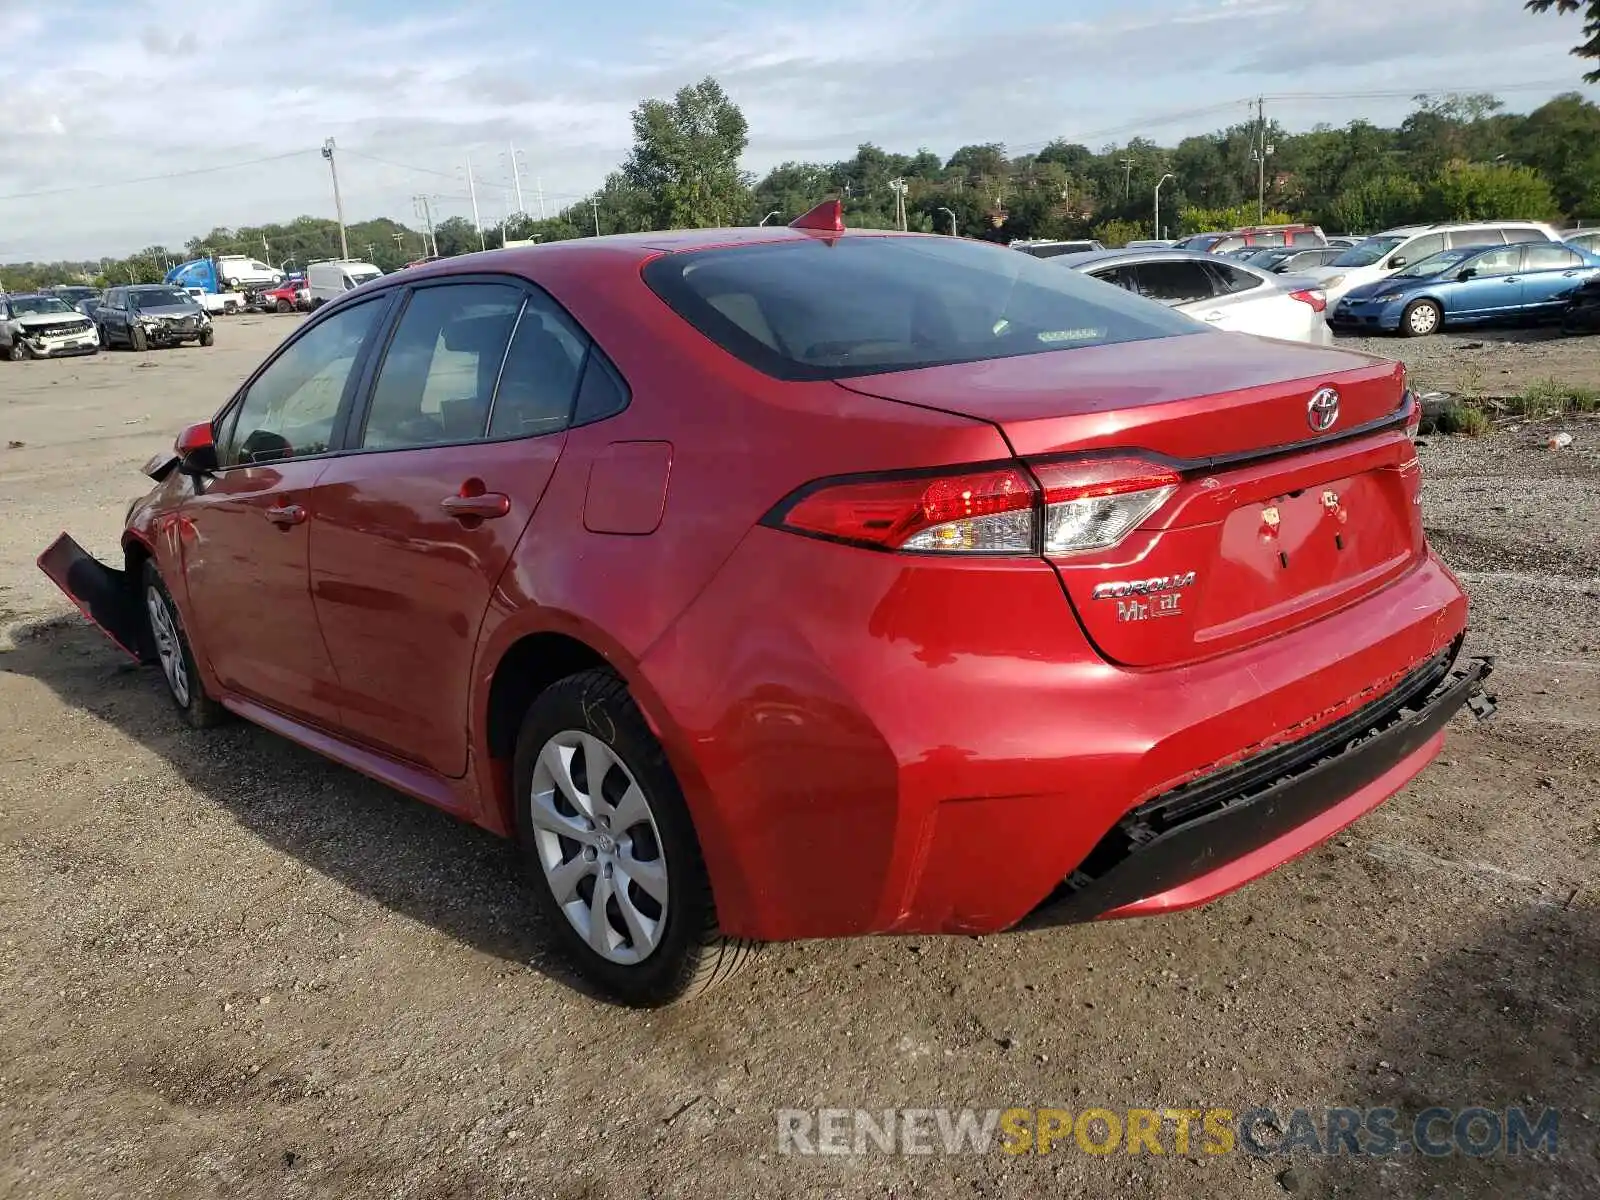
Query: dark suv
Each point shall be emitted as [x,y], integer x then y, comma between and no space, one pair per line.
[154,314]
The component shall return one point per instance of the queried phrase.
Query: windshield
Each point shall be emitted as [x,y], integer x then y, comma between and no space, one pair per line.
[1367,253]
[833,308]
[27,306]
[1438,263]
[360,277]
[73,294]
[1200,241]
[159,298]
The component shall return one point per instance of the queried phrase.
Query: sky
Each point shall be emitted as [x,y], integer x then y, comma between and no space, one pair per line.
[99,96]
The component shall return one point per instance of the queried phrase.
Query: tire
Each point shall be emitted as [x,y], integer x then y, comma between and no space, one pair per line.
[207,336]
[169,646]
[16,352]
[137,340]
[574,844]
[283,306]
[1421,318]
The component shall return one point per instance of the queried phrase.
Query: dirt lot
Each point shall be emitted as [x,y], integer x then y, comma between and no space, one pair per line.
[229,968]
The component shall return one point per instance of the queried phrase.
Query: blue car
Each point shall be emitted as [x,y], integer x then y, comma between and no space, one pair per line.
[1468,285]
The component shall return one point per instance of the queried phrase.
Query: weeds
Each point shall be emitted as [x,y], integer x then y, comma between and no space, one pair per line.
[1460,418]
[1551,398]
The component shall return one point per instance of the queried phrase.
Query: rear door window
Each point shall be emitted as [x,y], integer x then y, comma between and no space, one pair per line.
[1305,238]
[1273,238]
[1517,235]
[1175,282]
[1420,248]
[828,308]
[1474,237]
[1549,257]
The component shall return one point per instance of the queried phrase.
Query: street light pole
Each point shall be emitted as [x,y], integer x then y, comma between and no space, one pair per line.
[777,212]
[1164,179]
[947,212]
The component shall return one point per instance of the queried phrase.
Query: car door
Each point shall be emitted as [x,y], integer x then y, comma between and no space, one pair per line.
[1179,283]
[1494,288]
[1550,272]
[246,545]
[466,419]
[109,318]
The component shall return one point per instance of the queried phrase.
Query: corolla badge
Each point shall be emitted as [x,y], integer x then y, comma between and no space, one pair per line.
[1322,410]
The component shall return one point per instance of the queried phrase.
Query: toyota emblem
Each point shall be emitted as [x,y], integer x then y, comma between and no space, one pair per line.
[1322,410]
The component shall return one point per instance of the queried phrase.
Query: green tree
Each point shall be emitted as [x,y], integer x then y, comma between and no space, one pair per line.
[1486,192]
[1591,27]
[685,158]
[1378,203]
[1561,140]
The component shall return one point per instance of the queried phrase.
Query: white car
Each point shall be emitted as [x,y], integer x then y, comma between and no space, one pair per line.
[1385,253]
[38,326]
[217,302]
[1223,292]
[327,281]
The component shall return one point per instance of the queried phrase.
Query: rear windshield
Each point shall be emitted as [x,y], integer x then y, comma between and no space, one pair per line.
[830,308]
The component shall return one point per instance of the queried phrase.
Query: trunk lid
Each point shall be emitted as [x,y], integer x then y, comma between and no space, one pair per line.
[1272,524]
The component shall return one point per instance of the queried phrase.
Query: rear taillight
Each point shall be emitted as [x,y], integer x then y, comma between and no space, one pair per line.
[1093,503]
[1059,508]
[1316,297]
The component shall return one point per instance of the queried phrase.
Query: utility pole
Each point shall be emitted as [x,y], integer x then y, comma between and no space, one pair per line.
[472,191]
[399,243]
[1260,154]
[1127,177]
[420,207]
[594,203]
[338,203]
[899,187]
[369,251]
[516,175]
[947,212]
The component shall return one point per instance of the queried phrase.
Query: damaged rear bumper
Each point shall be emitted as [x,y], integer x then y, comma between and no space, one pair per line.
[1217,833]
[107,596]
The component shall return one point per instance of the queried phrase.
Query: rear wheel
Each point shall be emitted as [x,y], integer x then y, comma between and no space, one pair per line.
[284,306]
[169,644]
[137,339]
[607,837]
[1421,318]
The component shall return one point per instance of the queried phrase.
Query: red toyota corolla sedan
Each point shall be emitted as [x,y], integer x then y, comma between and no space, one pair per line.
[787,583]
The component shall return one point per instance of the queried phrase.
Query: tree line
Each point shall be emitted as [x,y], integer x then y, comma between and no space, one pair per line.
[1458,157]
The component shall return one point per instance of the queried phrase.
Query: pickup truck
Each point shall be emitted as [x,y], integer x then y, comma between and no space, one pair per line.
[224,303]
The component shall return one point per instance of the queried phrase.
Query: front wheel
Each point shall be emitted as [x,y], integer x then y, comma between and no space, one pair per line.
[617,871]
[284,306]
[169,644]
[138,340]
[17,352]
[1421,318]
[207,336]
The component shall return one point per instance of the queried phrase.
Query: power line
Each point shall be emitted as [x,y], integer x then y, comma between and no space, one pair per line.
[95,187]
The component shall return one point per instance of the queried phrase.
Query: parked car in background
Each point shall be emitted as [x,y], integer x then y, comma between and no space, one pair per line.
[73,293]
[1385,253]
[217,303]
[329,280]
[1298,261]
[1467,286]
[1224,293]
[241,272]
[1582,313]
[288,296]
[89,305]
[775,583]
[1048,248]
[1588,241]
[1144,244]
[1266,259]
[1253,236]
[36,325]
[152,314]
[1344,241]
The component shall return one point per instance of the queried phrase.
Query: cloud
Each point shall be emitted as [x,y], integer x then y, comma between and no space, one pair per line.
[408,92]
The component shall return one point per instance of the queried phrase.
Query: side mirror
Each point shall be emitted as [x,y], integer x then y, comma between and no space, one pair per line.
[197,450]
[1397,263]
[1466,273]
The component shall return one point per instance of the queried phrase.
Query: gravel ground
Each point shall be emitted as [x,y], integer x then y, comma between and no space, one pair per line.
[230,968]
[1492,362]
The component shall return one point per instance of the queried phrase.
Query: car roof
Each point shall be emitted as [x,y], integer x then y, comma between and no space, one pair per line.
[1089,257]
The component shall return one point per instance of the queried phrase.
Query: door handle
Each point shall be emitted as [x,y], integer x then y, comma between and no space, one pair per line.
[285,515]
[480,507]
[1513,279]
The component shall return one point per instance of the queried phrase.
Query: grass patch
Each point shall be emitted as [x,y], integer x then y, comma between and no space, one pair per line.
[1466,419]
[1550,397]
